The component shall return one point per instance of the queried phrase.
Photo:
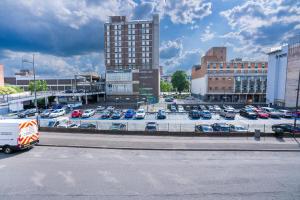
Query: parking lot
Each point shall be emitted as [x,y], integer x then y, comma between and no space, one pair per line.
[174,122]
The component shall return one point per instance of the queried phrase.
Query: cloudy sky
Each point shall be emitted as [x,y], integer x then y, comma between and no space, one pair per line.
[67,35]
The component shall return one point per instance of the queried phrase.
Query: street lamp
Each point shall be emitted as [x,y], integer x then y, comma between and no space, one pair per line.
[34,82]
[297,99]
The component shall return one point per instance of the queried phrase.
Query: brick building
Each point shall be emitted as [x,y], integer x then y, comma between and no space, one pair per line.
[132,59]
[238,81]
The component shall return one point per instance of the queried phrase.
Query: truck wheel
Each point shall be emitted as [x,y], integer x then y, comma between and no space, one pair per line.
[7,149]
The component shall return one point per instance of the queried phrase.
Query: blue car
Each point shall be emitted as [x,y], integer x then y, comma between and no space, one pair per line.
[129,114]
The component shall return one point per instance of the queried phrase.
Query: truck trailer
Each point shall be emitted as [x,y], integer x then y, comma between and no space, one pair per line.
[18,134]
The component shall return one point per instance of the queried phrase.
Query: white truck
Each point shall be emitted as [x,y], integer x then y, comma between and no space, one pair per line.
[18,134]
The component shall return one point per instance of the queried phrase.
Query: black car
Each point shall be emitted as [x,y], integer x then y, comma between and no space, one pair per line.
[161,114]
[68,91]
[87,126]
[285,128]
[194,114]
[105,115]
[27,113]
[221,127]
[248,113]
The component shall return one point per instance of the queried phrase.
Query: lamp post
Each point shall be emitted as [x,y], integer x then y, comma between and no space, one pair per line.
[297,99]
[34,82]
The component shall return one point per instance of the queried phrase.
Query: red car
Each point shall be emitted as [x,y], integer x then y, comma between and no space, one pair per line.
[76,113]
[263,115]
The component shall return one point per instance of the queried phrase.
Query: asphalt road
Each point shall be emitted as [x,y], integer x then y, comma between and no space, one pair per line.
[74,173]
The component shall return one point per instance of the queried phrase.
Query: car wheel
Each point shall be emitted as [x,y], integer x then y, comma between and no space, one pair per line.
[7,150]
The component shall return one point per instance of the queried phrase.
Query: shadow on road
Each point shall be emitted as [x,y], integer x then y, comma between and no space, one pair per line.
[17,153]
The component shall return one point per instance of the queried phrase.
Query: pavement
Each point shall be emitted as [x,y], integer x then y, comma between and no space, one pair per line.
[51,173]
[136,142]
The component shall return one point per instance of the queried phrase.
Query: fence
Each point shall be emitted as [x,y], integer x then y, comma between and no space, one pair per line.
[140,125]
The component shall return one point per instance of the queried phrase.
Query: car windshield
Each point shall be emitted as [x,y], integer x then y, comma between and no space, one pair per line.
[56,111]
[140,111]
[207,128]
[240,128]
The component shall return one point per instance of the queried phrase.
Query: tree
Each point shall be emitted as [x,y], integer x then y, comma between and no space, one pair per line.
[165,86]
[40,86]
[179,81]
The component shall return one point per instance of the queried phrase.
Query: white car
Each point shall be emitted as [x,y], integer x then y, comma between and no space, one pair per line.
[110,108]
[57,113]
[140,114]
[180,108]
[100,108]
[88,113]
[217,108]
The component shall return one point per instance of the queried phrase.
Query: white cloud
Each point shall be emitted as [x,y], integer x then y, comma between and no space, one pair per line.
[258,25]
[207,35]
[181,11]
[170,49]
[76,13]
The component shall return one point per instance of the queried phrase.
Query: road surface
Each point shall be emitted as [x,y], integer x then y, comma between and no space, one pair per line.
[73,173]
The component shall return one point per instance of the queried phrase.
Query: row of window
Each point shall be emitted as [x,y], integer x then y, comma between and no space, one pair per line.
[130,55]
[243,65]
[130,61]
[130,26]
[130,50]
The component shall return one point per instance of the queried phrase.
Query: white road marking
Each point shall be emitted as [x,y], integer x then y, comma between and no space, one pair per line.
[68,177]
[38,178]
[108,177]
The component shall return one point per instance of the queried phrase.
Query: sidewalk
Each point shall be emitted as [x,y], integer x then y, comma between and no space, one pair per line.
[169,143]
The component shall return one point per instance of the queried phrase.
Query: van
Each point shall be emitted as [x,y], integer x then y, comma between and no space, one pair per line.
[16,134]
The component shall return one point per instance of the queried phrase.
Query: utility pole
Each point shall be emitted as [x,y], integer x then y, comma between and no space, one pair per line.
[34,84]
[295,120]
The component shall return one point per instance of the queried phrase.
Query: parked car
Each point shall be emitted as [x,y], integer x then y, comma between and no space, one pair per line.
[116,114]
[187,108]
[68,91]
[110,108]
[129,113]
[195,108]
[206,114]
[221,127]
[173,108]
[272,112]
[76,113]
[180,108]
[285,128]
[238,128]
[140,114]
[262,114]
[68,125]
[100,108]
[169,99]
[285,113]
[118,127]
[87,126]
[203,128]
[250,107]
[203,107]
[211,108]
[88,113]
[57,113]
[27,113]
[217,108]
[151,126]
[227,113]
[248,113]
[105,114]
[46,113]
[194,114]
[161,114]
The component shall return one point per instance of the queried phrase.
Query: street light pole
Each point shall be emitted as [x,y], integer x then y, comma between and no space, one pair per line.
[34,83]
[295,120]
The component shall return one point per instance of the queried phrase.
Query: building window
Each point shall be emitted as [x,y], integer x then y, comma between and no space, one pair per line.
[221,65]
[214,65]
[235,65]
[227,65]
[216,78]
[208,66]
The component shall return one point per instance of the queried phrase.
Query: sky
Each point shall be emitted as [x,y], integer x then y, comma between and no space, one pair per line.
[66,36]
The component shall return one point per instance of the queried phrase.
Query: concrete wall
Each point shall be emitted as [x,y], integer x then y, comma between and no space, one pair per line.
[199,86]
[276,78]
[293,70]
[1,75]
